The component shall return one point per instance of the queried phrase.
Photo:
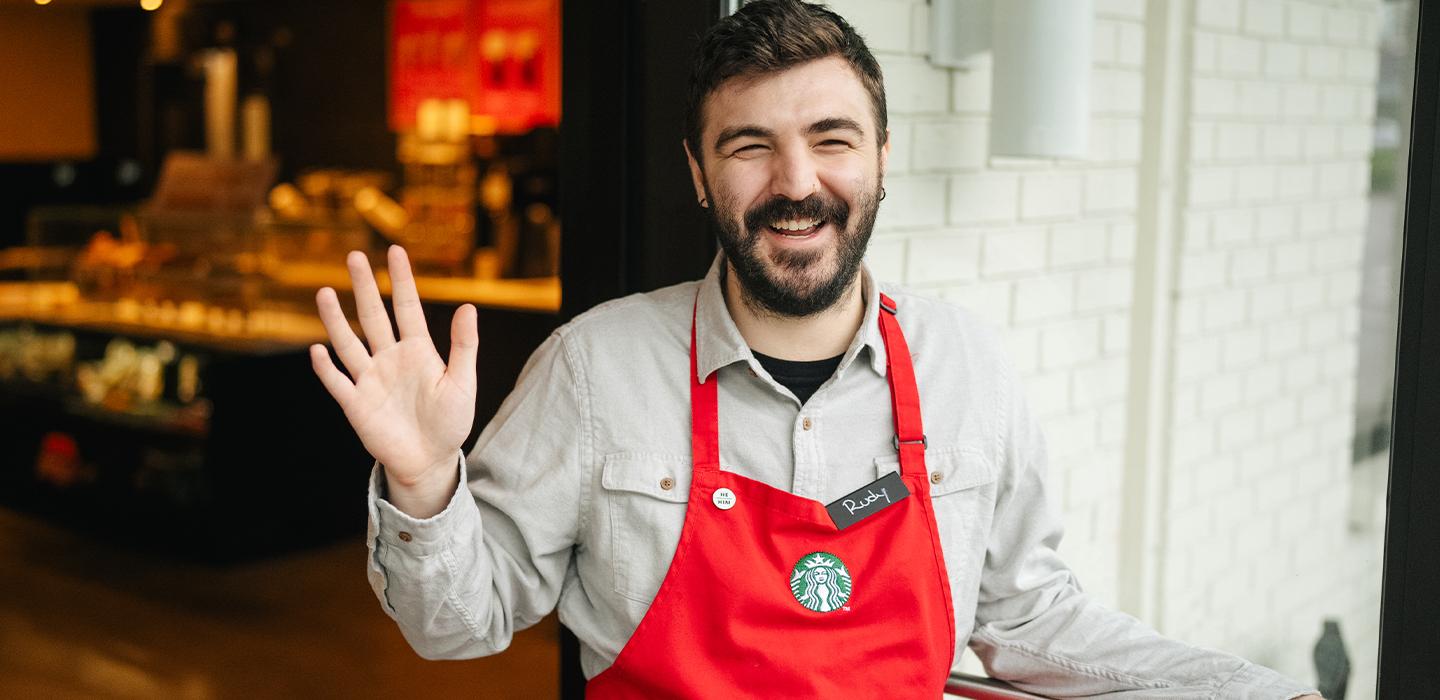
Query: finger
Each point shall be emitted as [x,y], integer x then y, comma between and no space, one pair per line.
[409,315]
[334,380]
[352,352]
[464,342]
[373,319]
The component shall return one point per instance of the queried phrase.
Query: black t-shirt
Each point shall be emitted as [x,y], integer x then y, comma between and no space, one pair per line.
[801,377]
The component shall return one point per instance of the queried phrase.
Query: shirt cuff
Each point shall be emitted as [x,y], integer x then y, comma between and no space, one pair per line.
[1256,681]
[419,536]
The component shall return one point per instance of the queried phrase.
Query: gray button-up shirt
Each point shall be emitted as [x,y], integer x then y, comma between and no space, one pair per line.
[576,491]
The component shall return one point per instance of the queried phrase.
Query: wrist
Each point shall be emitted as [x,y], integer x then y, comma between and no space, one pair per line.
[428,493]
[413,478]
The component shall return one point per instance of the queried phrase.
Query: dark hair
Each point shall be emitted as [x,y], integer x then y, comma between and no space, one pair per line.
[771,35]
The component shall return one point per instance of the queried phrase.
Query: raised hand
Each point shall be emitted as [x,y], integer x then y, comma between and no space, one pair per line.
[411,410]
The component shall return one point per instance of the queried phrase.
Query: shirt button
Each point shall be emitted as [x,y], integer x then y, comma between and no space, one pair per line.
[936,477]
[404,536]
[805,424]
[667,483]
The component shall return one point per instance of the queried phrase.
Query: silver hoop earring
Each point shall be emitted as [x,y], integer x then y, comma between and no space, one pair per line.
[882,194]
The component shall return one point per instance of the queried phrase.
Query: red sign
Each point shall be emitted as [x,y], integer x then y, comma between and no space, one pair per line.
[517,61]
[502,56]
[429,55]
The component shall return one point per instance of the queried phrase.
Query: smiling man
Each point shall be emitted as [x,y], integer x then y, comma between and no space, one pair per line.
[794,179]
[732,487]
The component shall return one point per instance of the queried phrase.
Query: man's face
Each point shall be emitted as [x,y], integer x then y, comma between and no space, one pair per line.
[791,166]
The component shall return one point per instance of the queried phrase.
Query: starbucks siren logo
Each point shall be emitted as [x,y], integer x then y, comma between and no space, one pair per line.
[820,582]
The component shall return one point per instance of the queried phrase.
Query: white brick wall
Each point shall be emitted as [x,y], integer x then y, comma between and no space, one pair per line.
[1271,213]
[1264,358]
[980,197]
[1042,249]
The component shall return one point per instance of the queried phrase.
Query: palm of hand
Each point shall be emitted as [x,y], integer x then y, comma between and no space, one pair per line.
[407,411]
[410,409]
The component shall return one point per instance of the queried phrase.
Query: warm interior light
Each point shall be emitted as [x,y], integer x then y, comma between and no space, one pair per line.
[42,2]
[150,5]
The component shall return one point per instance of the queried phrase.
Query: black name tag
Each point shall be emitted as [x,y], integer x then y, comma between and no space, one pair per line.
[867,500]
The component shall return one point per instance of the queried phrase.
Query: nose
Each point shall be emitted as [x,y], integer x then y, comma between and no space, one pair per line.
[795,176]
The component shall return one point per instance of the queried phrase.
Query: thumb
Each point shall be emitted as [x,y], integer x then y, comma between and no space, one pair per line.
[464,342]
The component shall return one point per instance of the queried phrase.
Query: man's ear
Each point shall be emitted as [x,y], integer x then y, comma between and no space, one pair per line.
[885,153]
[697,176]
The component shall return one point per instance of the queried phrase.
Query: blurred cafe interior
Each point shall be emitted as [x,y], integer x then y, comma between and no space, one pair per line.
[183,506]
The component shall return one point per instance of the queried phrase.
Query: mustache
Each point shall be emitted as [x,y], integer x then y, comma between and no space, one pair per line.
[815,206]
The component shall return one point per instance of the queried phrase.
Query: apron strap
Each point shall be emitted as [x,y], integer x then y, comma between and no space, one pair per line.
[910,439]
[704,412]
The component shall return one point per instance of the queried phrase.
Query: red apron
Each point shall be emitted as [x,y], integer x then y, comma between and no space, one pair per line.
[766,597]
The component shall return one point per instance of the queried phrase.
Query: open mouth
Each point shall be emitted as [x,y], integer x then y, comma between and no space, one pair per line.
[796,228]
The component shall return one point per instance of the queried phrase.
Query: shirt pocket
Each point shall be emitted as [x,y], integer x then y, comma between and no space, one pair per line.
[951,471]
[645,498]
[962,492]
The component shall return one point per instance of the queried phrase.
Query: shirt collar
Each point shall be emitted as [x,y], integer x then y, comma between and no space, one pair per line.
[719,343]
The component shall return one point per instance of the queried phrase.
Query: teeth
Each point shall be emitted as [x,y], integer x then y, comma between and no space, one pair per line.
[795,224]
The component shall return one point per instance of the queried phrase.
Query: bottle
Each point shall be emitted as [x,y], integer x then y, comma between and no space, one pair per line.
[1332,662]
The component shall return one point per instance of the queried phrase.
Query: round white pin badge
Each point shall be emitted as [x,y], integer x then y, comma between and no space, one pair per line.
[723,498]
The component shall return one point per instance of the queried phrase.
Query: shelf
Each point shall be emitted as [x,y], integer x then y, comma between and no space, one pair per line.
[540,294]
[262,331]
[153,417]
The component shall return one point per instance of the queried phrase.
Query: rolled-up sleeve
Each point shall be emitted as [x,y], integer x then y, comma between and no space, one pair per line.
[1036,629]
[461,583]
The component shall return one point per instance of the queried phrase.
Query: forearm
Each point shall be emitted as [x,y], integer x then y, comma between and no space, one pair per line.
[491,553]
[434,578]
[1076,648]
[1037,629]
[461,582]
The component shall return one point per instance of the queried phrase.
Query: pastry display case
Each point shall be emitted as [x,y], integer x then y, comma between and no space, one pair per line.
[154,367]
[155,381]
[144,361]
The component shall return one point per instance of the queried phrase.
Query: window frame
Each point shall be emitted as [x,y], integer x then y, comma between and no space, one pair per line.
[1410,593]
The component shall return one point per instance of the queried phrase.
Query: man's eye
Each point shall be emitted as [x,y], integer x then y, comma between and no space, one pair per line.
[835,143]
[752,148]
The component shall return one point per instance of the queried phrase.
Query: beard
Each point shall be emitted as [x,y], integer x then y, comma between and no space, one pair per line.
[794,283]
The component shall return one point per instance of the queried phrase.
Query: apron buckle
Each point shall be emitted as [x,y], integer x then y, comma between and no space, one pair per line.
[924,442]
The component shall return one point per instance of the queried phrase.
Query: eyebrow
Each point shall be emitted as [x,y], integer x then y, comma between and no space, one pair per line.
[835,124]
[736,132]
[760,132]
